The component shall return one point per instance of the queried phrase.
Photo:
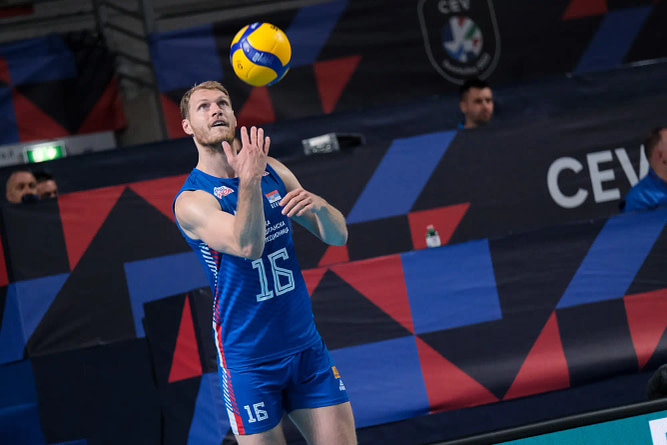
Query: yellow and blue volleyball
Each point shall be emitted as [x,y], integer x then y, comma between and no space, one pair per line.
[260,54]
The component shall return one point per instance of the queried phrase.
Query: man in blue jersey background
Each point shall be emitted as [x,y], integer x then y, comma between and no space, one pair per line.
[235,210]
[651,191]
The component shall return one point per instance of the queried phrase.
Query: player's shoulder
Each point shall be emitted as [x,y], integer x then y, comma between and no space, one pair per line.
[646,185]
[276,164]
[189,201]
[641,195]
[282,170]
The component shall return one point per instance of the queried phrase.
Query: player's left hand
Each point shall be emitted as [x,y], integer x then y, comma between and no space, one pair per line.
[299,201]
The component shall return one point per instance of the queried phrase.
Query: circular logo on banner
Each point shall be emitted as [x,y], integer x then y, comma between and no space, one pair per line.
[462,39]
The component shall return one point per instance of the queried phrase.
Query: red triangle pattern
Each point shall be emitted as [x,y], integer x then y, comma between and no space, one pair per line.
[82,215]
[445,220]
[172,117]
[332,77]
[312,277]
[333,255]
[32,122]
[647,321]
[585,8]
[4,71]
[107,114]
[380,280]
[186,362]
[545,368]
[447,386]
[258,109]
[160,192]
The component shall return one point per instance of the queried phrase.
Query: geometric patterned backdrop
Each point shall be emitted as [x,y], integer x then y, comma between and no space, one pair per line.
[351,53]
[530,311]
[113,317]
[56,86]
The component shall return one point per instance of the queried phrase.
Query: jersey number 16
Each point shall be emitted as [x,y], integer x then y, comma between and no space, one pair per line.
[283,279]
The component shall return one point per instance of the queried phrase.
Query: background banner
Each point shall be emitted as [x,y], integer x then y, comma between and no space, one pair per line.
[56,86]
[486,323]
[358,53]
[508,177]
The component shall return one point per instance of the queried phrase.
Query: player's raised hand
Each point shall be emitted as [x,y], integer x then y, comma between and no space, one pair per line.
[299,201]
[250,161]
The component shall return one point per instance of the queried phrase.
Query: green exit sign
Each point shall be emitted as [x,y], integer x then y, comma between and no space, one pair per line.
[43,153]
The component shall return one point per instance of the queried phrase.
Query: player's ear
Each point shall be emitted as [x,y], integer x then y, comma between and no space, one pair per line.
[185,124]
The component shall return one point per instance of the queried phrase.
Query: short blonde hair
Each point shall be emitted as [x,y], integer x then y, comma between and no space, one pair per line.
[208,85]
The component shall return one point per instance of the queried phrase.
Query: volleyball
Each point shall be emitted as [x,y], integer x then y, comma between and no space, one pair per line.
[260,54]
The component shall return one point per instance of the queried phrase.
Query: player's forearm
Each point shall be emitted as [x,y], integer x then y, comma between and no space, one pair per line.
[249,220]
[331,225]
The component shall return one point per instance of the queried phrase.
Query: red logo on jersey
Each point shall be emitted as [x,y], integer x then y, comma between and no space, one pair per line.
[221,191]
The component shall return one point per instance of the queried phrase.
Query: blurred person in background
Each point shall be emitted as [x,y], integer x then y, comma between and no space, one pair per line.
[651,191]
[657,384]
[476,103]
[46,185]
[21,186]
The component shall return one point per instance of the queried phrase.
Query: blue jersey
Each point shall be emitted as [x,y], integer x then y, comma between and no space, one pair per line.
[648,193]
[261,308]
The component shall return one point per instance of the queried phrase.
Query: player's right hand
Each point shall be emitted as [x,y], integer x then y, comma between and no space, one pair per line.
[250,162]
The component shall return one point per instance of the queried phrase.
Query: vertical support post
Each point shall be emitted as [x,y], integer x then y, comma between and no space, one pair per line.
[148,21]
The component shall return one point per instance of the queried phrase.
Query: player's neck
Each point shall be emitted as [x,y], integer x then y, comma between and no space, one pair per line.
[659,166]
[215,164]
[661,172]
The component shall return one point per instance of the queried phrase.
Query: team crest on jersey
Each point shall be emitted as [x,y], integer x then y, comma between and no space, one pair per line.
[221,191]
[461,37]
[273,197]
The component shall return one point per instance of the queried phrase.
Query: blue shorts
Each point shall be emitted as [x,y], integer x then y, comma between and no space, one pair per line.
[256,396]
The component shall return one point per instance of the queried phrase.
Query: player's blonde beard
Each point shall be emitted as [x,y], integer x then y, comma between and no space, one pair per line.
[214,145]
